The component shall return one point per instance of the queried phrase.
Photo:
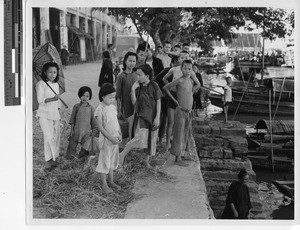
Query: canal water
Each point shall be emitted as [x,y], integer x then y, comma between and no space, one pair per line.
[275,206]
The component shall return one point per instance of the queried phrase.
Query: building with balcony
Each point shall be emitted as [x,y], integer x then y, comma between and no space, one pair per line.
[85,31]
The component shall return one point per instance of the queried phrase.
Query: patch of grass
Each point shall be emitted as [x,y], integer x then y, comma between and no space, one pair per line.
[73,189]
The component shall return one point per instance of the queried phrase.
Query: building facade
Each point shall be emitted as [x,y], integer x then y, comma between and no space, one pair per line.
[85,31]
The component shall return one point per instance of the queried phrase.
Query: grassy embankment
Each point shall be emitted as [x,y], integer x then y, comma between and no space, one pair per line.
[73,189]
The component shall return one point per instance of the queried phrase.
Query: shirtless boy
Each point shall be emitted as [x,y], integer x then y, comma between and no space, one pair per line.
[183,114]
[176,72]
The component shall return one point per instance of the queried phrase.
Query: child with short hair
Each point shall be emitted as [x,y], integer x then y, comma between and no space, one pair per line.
[197,95]
[48,115]
[227,98]
[182,130]
[81,122]
[171,107]
[145,94]
[109,137]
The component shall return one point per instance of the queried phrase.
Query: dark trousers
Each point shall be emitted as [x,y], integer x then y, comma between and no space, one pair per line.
[163,118]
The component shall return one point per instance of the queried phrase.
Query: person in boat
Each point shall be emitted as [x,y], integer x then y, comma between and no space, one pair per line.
[238,202]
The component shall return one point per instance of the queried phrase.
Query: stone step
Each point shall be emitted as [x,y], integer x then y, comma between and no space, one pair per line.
[219,188]
[227,174]
[219,128]
[215,152]
[217,146]
[209,164]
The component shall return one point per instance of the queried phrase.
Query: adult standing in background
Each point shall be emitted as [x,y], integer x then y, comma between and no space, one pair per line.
[186,47]
[64,56]
[159,51]
[145,56]
[163,56]
[106,74]
[238,201]
[197,95]
[110,49]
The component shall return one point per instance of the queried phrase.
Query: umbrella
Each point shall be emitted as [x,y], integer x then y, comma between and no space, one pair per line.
[41,55]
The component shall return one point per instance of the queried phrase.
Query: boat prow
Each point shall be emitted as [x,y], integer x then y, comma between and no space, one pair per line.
[285,187]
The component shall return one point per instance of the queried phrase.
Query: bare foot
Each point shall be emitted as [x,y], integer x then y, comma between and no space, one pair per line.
[186,158]
[167,149]
[113,185]
[179,162]
[148,166]
[107,189]
[121,160]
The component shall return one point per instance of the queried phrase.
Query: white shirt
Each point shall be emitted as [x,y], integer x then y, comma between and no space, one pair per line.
[227,94]
[47,110]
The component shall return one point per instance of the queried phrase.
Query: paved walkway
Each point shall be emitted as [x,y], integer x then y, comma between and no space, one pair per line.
[182,197]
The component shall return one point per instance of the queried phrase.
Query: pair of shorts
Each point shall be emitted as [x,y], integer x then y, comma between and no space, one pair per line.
[170,103]
[141,139]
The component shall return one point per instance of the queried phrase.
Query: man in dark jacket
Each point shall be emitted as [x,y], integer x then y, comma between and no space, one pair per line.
[106,74]
[145,56]
[238,201]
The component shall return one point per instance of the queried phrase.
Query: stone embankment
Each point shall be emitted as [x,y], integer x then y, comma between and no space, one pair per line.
[222,150]
[198,191]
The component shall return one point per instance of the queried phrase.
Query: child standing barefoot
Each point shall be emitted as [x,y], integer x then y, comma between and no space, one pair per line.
[227,98]
[109,137]
[48,112]
[148,106]
[81,121]
[171,106]
[182,137]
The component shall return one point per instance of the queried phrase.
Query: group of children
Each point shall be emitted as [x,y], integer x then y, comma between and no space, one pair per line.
[138,101]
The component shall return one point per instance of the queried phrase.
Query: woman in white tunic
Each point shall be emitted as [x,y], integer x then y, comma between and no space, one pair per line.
[48,112]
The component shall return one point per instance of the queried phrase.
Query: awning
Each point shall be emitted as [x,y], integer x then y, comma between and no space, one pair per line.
[246,40]
[79,33]
[278,126]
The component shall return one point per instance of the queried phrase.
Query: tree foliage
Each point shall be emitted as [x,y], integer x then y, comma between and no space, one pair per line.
[202,25]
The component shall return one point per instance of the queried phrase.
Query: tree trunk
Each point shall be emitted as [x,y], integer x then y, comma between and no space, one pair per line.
[156,38]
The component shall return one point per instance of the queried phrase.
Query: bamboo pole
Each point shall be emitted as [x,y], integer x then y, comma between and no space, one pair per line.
[271,132]
[212,90]
[263,61]
[246,88]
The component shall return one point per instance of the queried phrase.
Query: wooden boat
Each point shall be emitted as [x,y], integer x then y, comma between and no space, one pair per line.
[285,187]
[243,69]
[261,91]
[211,65]
[260,149]
[255,99]
[254,106]
[280,163]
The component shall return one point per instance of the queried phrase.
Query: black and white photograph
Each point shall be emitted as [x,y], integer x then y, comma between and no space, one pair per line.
[108,90]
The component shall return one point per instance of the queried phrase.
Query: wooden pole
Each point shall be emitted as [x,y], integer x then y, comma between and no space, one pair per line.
[246,88]
[271,132]
[263,61]
[212,90]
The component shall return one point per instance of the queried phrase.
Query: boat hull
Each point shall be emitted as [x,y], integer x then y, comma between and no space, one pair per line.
[254,106]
